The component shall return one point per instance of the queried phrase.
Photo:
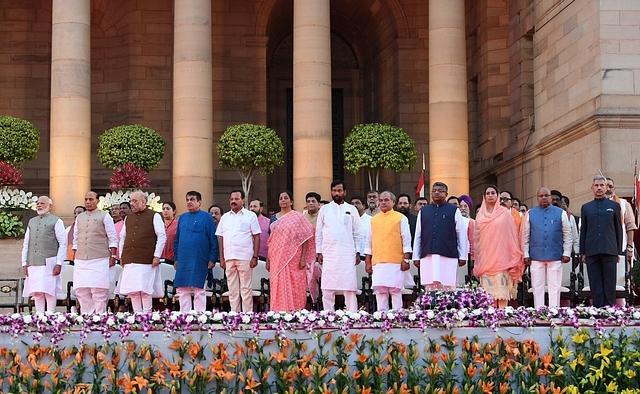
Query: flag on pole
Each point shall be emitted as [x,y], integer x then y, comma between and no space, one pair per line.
[636,186]
[420,188]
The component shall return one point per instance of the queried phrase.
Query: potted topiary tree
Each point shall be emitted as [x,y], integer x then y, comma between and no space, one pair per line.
[376,146]
[131,151]
[249,149]
[19,143]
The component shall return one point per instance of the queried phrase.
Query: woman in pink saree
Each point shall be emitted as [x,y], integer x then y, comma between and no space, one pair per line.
[499,263]
[291,248]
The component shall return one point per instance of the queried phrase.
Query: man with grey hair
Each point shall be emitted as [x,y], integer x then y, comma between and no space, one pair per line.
[628,220]
[441,243]
[43,252]
[141,244]
[388,253]
[94,247]
[601,242]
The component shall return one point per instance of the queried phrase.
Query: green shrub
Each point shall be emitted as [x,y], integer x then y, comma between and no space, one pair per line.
[135,144]
[10,225]
[19,140]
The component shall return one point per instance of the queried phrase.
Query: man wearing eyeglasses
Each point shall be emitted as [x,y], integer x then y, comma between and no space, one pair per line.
[506,200]
[441,243]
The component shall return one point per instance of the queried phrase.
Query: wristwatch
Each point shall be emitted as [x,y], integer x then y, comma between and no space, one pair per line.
[113,256]
[408,261]
[629,248]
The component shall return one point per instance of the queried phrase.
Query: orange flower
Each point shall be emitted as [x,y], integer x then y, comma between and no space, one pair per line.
[365,390]
[140,382]
[354,337]
[363,357]
[471,370]
[487,387]
[465,344]
[547,359]
[450,339]
[543,389]
[327,338]
[193,349]
[356,375]
[504,388]
[279,357]
[176,344]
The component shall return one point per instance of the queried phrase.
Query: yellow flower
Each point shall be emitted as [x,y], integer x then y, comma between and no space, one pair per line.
[580,337]
[630,373]
[565,354]
[612,387]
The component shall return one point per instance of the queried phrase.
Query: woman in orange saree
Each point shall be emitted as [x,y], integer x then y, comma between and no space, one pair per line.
[499,263]
[291,248]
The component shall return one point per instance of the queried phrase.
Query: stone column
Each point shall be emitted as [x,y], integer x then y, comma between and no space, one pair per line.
[312,158]
[70,139]
[448,129]
[192,102]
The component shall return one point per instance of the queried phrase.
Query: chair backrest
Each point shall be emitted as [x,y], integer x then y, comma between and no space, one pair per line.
[218,272]
[360,273]
[117,273]
[259,272]
[167,272]
[66,276]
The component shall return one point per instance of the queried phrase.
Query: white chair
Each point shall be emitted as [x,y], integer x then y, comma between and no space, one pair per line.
[114,297]
[168,274]
[622,291]
[67,297]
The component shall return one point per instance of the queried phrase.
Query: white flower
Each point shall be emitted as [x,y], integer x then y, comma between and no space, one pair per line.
[155,316]
[16,316]
[412,316]
[288,317]
[43,317]
[232,314]
[27,319]
[61,318]
[339,313]
[120,315]
[96,318]
[636,315]
[202,318]
[217,316]
[331,318]
[276,316]
[461,315]
[311,317]
[430,314]
[189,318]
[246,319]
[355,316]
[391,316]
[131,319]
[110,321]
[377,315]
[321,322]
[270,314]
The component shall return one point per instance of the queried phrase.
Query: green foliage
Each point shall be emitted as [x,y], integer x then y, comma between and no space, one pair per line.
[135,144]
[378,146]
[10,225]
[19,140]
[248,147]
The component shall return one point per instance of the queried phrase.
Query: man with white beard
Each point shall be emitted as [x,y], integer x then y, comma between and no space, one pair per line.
[43,252]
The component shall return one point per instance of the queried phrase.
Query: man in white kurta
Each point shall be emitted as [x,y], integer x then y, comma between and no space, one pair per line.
[142,241]
[94,245]
[43,252]
[338,237]
[388,253]
[441,243]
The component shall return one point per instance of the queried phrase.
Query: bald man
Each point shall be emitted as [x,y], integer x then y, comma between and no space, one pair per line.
[43,252]
[141,244]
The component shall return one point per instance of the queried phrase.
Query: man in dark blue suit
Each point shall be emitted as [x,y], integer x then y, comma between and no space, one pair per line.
[601,242]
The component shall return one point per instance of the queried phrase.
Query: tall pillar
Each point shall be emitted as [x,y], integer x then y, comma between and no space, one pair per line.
[448,129]
[70,125]
[192,102]
[312,158]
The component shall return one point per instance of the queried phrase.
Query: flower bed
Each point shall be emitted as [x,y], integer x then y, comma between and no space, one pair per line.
[447,350]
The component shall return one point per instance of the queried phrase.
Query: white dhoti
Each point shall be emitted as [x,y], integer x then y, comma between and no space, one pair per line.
[339,274]
[141,278]
[91,283]
[390,275]
[42,280]
[437,268]
[389,280]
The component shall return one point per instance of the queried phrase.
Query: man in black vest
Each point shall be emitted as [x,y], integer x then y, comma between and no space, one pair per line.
[404,207]
[441,243]
[141,243]
[601,242]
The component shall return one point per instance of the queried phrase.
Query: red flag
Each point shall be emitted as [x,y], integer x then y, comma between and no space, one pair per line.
[636,193]
[420,188]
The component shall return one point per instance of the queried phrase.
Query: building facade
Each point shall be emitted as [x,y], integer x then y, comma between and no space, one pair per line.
[520,93]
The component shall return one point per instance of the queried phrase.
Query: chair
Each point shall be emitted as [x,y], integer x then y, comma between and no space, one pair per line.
[10,294]
[213,293]
[623,282]
[114,299]
[67,297]
[168,273]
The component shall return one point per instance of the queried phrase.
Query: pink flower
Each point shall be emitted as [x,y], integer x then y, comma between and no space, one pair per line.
[129,176]
[9,175]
